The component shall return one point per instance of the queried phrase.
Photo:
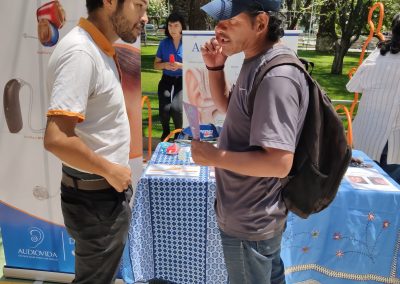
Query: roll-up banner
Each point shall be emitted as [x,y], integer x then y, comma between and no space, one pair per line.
[31,222]
[196,89]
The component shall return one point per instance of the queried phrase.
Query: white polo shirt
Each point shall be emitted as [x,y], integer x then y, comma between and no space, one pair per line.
[84,82]
[378,116]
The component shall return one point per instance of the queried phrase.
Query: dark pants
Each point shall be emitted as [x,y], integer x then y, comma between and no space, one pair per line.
[170,107]
[98,221]
[393,170]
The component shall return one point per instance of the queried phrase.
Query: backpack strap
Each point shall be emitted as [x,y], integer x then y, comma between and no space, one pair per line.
[284,59]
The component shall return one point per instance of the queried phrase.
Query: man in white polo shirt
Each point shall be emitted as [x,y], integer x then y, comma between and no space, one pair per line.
[88,130]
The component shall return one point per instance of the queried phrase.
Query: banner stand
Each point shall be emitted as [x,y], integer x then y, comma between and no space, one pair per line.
[41,275]
[35,241]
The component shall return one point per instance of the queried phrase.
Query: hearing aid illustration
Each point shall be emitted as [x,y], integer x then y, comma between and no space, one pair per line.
[51,18]
[12,107]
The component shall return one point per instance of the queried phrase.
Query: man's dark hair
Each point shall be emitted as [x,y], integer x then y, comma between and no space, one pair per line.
[392,45]
[93,5]
[173,18]
[275,29]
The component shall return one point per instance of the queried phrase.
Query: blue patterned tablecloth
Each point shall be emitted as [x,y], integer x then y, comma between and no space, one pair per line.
[174,236]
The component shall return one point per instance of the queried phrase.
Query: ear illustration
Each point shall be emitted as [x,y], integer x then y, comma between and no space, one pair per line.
[47,33]
[53,12]
[12,108]
[50,17]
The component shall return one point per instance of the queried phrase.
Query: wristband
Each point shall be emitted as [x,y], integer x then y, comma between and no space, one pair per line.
[216,68]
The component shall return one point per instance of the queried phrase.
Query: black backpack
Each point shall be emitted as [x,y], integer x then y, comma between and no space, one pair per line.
[322,155]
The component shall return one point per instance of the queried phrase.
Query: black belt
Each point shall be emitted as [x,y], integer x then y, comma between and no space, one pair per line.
[172,77]
[82,184]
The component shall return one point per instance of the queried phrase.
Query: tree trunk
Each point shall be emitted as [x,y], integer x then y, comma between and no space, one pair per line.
[181,7]
[352,17]
[326,36]
[340,51]
[197,18]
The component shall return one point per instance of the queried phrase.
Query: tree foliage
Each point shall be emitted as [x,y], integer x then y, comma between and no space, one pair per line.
[195,18]
[342,22]
[157,10]
[392,7]
[352,19]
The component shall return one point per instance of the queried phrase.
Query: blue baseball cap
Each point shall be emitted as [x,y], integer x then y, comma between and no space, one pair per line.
[226,9]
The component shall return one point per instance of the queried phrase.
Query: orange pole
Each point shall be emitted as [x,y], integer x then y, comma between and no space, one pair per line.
[372,28]
[368,40]
[172,133]
[146,99]
[356,95]
[349,125]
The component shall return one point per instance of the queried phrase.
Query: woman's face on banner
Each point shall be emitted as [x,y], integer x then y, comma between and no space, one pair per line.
[129,18]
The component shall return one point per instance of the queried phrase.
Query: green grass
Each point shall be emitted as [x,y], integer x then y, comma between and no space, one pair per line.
[334,85]
[150,79]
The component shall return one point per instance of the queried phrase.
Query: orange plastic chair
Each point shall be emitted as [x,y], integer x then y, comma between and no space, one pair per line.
[178,130]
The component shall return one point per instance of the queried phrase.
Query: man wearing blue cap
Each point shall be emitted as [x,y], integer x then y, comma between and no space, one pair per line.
[254,151]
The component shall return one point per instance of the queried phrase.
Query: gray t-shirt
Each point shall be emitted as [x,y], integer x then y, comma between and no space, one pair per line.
[247,207]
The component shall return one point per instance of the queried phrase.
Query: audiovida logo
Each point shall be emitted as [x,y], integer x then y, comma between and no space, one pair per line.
[36,237]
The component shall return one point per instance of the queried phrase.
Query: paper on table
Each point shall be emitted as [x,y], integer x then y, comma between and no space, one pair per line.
[193,117]
[211,171]
[363,178]
[173,170]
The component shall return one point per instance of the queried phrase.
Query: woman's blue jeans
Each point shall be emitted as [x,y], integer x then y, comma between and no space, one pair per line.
[253,262]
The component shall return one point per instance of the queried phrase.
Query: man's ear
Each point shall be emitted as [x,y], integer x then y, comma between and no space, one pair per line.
[262,22]
[109,4]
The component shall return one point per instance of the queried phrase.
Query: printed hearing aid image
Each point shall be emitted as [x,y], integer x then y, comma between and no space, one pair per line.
[51,18]
[12,106]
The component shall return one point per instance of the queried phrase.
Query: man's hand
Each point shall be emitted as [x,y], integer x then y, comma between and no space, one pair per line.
[204,153]
[119,177]
[61,140]
[212,53]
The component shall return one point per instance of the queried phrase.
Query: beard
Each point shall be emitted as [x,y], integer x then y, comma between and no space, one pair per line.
[124,28]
